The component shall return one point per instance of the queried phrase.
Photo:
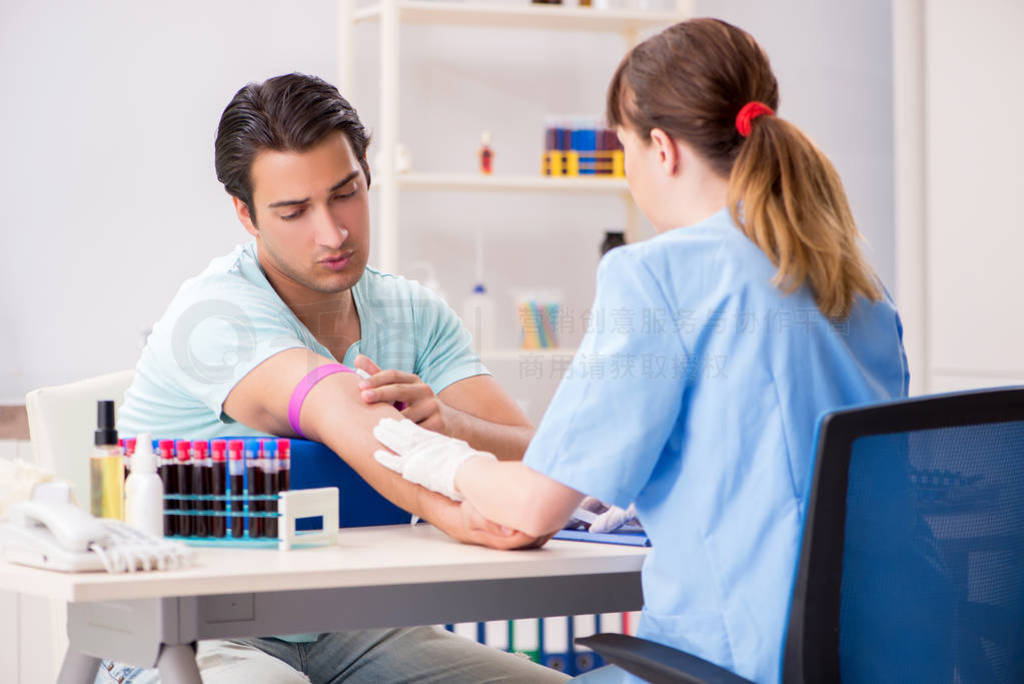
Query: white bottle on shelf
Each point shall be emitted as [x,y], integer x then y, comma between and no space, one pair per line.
[144,490]
[478,311]
[478,315]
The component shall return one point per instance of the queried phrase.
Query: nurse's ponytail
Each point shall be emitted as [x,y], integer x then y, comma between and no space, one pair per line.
[709,84]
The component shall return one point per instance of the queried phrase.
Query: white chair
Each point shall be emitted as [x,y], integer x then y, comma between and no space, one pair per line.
[61,421]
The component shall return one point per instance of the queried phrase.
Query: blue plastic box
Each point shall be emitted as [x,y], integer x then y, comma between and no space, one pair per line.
[359,504]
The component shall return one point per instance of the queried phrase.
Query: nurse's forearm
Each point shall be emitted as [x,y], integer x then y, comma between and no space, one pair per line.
[516,496]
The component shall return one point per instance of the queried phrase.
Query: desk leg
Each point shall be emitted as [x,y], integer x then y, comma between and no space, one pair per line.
[78,668]
[177,664]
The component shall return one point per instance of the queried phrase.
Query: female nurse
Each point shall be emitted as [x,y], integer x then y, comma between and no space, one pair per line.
[713,349]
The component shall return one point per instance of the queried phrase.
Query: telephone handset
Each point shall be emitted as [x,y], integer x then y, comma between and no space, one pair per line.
[60,536]
[73,528]
[52,534]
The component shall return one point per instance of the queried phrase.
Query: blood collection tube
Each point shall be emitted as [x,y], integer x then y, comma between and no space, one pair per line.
[169,474]
[254,485]
[129,449]
[236,482]
[269,468]
[218,486]
[185,520]
[201,486]
[284,465]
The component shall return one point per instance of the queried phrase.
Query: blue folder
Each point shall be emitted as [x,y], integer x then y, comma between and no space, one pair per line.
[628,537]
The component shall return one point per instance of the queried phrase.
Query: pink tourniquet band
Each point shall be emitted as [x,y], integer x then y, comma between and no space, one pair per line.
[302,389]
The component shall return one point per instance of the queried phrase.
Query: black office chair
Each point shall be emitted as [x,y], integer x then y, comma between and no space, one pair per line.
[912,563]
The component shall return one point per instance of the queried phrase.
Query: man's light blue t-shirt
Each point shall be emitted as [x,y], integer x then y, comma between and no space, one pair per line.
[695,394]
[227,320]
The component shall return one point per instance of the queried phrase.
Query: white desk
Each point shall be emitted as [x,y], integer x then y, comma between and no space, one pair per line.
[375,577]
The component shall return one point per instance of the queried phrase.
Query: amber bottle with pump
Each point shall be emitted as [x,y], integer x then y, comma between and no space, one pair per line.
[106,467]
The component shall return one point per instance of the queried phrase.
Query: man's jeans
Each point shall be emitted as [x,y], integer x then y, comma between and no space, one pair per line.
[415,654]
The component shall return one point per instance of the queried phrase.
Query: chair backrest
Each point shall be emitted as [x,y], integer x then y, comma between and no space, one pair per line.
[61,421]
[912,563]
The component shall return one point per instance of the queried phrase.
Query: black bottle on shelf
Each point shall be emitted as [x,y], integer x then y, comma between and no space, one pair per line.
[612,239]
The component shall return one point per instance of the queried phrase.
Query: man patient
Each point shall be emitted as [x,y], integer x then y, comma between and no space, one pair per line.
[236,339]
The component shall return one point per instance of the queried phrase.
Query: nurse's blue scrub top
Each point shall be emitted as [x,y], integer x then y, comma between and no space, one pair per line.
[695,393]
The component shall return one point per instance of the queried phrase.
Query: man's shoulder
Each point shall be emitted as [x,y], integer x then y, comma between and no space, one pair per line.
[233,280]
[226,301]
[398,312]
[238,269]
[374,278]
[380,288]
[220,324]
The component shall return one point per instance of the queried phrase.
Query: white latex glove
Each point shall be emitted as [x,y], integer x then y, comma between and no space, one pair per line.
[422,456]
[613,519]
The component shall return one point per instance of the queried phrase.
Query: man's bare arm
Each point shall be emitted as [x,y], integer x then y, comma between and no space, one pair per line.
[334,415]
[474,409]
[484,415]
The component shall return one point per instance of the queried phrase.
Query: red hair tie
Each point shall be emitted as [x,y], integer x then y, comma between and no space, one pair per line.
[751,111]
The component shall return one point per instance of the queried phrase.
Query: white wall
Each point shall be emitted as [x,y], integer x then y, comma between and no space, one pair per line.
[974,192]
[110,110]
[106,175]
[833,61]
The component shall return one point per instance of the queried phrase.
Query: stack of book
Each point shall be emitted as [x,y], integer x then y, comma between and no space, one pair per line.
[580,146]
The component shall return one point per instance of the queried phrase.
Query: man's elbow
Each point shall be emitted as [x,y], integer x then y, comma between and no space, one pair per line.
[518,540]
[547,505]
[535,542]
[542,522]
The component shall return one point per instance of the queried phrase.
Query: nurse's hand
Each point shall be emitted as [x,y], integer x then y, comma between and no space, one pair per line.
[416,400]
[423,457]
[614,518]
[481,531]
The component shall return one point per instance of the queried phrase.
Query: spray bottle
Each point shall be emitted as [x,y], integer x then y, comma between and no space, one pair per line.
[144,490]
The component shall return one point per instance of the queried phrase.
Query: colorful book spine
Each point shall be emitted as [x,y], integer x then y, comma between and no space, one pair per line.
[580,146]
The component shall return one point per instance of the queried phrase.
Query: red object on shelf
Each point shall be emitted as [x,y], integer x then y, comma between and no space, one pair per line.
[486,154]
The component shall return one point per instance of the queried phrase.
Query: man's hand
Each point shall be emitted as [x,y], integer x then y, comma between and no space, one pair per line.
[476,529]
[422,406]
[474,409]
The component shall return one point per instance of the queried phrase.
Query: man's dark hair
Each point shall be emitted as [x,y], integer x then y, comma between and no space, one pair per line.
[290,112]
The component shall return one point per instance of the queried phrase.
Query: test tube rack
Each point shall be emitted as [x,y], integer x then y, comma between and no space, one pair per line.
[292,505]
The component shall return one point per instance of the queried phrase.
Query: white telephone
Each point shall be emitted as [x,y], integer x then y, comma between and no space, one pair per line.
[60,536]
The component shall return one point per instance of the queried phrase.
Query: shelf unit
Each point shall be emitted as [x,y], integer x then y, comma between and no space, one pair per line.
[510,183]
[547,17]
[389,16]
